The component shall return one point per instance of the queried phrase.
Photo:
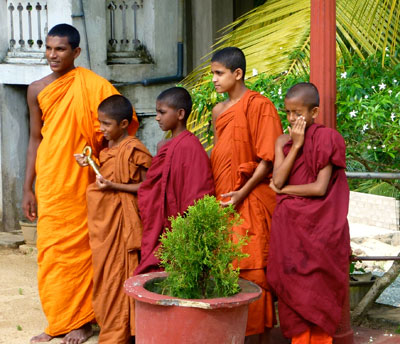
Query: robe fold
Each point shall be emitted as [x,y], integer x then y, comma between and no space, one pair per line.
[246,134]
[179,174]
[69,114]
[310,241]
[115,233]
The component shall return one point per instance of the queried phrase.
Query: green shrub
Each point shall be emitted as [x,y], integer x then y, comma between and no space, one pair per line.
[198,251]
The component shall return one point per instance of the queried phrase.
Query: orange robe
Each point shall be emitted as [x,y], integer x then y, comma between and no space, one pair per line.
[69,114]
[115,234]
[246,133]
[313,335]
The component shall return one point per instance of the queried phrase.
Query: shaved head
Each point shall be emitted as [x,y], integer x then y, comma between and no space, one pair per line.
[307,92]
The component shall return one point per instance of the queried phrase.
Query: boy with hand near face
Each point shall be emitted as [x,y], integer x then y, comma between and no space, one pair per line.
[310,242]
[179,174]
[246,126]
[115,229]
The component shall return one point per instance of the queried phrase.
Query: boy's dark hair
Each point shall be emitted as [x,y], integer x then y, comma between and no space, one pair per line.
[232,58]
[66,30]
[177,98]
[307,91]
[117,107]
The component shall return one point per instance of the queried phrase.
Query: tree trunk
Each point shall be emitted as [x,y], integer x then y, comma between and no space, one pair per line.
[376,290]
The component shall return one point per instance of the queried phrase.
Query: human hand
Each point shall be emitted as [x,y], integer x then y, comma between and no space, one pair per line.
[29,205]
[236,198]
[274,187]
[103,184]
[297,131]
[81,159]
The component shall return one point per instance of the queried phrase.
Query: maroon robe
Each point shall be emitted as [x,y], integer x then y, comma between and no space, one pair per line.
[308,262]
[179,174]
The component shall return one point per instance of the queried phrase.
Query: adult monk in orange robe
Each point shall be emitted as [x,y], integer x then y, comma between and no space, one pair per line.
[63,120]
[246,127]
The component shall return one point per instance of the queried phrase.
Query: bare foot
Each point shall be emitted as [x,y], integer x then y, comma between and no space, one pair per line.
[79,335]
[43,337]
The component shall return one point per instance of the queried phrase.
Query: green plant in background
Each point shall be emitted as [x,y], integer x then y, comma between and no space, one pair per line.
[368,114]
[199,250]
[275,38]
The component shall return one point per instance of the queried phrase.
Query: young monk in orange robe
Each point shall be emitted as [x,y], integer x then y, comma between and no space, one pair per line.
[63,120]
[115,230]
[246,127]
[310,241]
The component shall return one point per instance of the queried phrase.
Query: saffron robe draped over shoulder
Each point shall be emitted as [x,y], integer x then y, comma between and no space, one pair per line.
[180,174]
[310,242]
[69,114]
[115,233]
[246,134]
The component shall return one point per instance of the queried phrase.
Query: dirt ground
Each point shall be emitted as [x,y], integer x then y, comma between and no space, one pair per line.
[21,315]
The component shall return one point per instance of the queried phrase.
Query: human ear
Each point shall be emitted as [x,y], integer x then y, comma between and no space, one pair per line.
[124,124]
[238,73]
[77,52]
[181,114]
[315,112]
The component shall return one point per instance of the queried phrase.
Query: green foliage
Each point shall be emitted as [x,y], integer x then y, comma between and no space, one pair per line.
[19,328]
[368,116]
[199,250]
[20,291]
[368,110]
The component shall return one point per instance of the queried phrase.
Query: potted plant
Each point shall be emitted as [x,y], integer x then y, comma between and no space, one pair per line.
[199,298]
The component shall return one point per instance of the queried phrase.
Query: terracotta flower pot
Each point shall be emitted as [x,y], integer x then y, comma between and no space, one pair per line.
[166,319]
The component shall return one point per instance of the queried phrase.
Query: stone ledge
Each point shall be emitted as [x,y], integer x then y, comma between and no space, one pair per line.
[11,239]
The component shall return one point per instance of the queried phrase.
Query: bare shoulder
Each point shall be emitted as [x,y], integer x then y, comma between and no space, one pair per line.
[282,140]
[219,108]
[37,86]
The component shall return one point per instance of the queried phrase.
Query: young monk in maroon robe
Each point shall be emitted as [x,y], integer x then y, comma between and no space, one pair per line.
[115,229]
[180,173]
[310,243]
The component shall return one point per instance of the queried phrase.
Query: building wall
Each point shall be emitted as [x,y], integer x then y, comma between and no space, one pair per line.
[162,25]
[14,140]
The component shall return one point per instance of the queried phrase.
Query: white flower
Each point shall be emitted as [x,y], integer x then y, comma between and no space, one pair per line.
[280,48]
[368,147]
[373,87]
[395,81]
[392,116]
[365,127]
[280,90]
[366,96]
[386,49]
[255,72]
[382,86]
[353,113]
[390,91]
[343,75]
[262,92]
[280,97]
[374,147]
[383,146]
